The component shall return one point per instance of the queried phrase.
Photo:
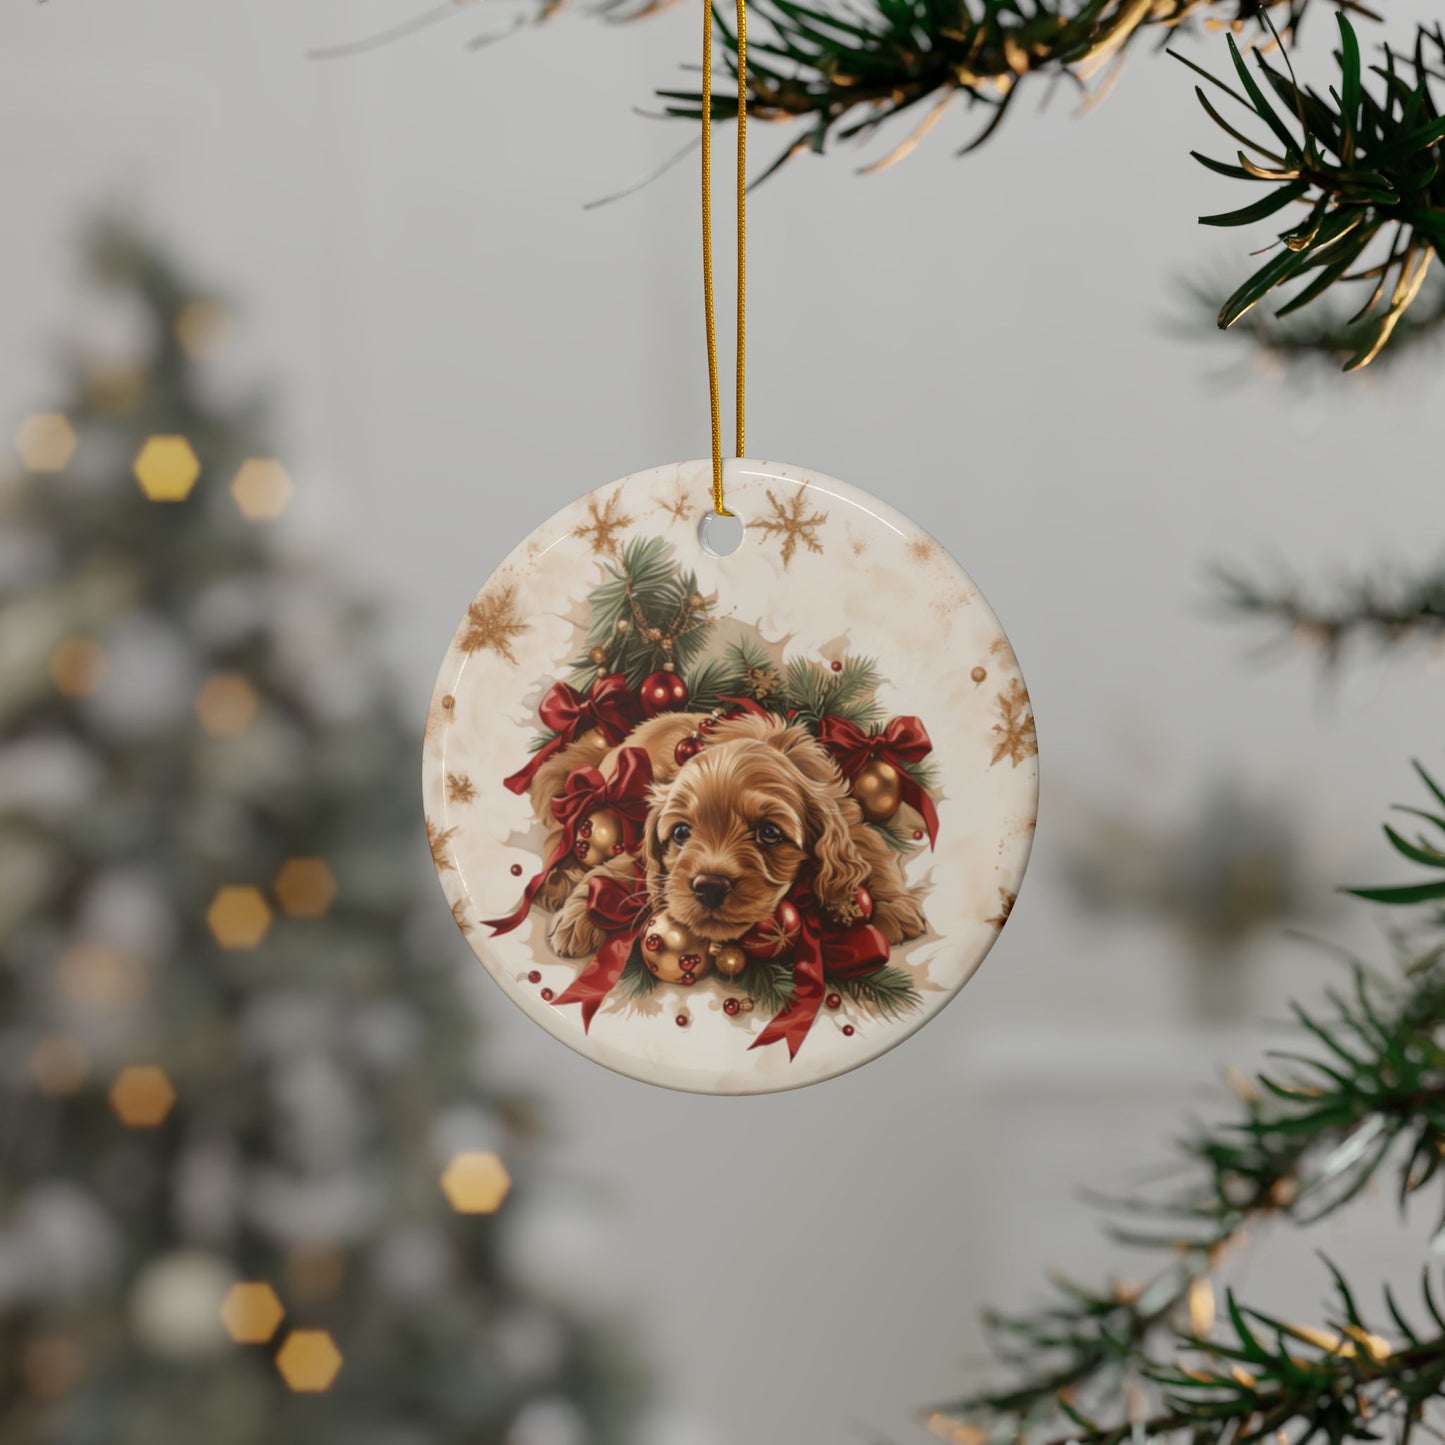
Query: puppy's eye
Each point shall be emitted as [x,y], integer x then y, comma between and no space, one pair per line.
[769,834]
[680,834]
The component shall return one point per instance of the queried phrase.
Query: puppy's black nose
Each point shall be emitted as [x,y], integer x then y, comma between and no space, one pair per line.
[711,889]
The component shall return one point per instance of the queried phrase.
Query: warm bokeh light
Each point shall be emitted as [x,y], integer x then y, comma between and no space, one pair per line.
[77,667]
[227,705]
[95,974]
[1201,1305]
[309,1361]
[262,489]
[142,1096]
[476,1182]
[58,1065]
[202,328]
[315,1271]
[166,468]
[116,390]
[239,917]
[51,1366]
[305,888]
[46,442]
[251,1312]
[955,1432]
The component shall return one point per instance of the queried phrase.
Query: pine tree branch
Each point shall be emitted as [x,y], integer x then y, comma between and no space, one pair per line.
[1365,165]
[1322,339]
[842,72]
[1386,610]
[1365,1090]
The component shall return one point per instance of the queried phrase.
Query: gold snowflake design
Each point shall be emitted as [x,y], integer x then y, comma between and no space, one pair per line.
[793,523]
[439,841]
[492,622]
[1014,733]
[460,788]
[762,682]
[603,524]
[680,507]
[1006,901]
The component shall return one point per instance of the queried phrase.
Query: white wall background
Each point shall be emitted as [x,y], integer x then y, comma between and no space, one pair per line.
[462,349]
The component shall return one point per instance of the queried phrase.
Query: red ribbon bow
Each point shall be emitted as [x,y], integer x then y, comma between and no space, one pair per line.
[586,791]
[905,740]
[824,950]
[619,906]
[610,706]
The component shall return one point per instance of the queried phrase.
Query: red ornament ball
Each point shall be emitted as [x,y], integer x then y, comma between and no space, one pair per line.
[547,995]
[662,692]
[775,936]
[835,1000]
[516,870]
[837,667]
[863,899]
[848,1031]
[918,835]
[687,749]
[682,1021]
[535,976]
[731,1007]
[652,942]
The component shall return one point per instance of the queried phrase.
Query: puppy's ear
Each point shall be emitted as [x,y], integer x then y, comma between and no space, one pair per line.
[652,850]
[841,868]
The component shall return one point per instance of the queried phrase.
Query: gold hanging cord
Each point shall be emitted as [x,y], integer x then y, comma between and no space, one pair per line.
[742,242]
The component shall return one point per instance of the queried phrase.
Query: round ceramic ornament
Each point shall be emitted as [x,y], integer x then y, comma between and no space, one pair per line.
[730,824]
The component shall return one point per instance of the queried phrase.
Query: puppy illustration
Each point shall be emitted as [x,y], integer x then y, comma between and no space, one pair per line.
[729,832]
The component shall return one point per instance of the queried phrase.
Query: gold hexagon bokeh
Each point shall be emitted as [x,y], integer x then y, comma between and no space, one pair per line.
[202,328]
[46,442]
[239,917]
[315,1271]
[142,1096]
[77,667]
[305,888]
[52,1365]
[117,389]
[262,489]
[166,468]
[227,705]
[309,1361]
[58,1065]
[251,1312]
[476,1182]
[100,976]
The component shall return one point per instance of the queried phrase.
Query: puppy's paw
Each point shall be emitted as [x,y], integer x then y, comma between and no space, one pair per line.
[553,893]
[573,934]
[899,918]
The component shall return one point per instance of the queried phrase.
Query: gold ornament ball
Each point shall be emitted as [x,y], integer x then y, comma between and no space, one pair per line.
[672,952]
[599,838]
[623,627]
[730,960]
[597,656]
[876,789]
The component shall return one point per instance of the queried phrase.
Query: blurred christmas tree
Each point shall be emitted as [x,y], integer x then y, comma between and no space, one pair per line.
[253,1182]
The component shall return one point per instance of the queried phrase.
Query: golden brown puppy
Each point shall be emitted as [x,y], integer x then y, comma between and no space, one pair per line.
[729,832]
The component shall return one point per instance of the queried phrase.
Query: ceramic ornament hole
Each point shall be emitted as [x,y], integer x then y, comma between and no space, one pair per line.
[720,535]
